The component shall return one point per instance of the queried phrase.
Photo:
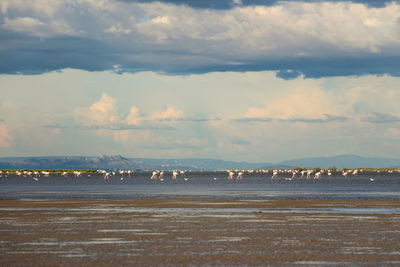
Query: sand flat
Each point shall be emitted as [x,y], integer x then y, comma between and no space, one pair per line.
[190,231]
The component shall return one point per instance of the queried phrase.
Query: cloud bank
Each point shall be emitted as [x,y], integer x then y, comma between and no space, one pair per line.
[308,38]
[229,4]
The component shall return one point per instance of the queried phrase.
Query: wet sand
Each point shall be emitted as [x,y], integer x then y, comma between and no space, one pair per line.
[195,231]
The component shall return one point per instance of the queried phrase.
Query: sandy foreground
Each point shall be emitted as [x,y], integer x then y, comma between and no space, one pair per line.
[195,231]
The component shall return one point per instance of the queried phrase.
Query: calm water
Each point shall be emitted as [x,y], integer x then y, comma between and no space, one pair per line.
[203,185]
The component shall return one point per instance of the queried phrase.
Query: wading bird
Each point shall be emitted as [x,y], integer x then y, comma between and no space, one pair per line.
[274,174]
[154,175]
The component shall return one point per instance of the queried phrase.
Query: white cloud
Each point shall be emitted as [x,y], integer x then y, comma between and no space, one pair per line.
[37,27]
[307,102]
[169,113]
[118,29]
[24,24]
[232,37]
[134,116]
[294,28]
[102,112]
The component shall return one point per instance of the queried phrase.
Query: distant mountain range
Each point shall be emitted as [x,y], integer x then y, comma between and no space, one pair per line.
[119,162]
[344,161]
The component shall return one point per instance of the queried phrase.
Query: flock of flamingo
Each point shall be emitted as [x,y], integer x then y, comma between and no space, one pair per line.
[232,174]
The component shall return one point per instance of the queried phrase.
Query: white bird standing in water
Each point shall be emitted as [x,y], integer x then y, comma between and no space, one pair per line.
[240,175]
[309,174]
[175,174]
[231,175]
[355,173]
[161,176]
[317,175]
[302,173]
[274,174]
[294,173]
[154,175]
[344,174]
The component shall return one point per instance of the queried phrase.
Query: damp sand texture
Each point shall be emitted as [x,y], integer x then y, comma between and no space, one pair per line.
[190,231]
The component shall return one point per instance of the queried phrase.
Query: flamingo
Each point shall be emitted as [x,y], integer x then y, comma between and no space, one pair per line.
[317,175]
[175,174]
[274,174]
[309,174]
[230,175]
[107,175]
[154,175]
[302,173]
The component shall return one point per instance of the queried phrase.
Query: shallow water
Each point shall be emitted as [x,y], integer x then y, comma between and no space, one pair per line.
[202,185]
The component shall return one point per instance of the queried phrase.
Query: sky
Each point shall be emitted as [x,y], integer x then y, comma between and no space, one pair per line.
[243,80]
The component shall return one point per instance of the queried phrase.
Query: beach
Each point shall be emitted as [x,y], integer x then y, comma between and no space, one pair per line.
[183,231]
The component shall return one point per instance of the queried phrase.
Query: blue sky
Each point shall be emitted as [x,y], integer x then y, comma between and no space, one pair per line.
[237,80]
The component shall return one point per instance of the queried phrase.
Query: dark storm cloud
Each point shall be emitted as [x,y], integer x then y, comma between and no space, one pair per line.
[164,43]
[318,67]
[31,55]
[227,4]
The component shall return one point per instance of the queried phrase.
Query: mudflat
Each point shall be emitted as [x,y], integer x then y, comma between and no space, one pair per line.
[199,231]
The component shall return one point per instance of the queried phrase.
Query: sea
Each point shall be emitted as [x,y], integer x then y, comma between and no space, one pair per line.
[213,184]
